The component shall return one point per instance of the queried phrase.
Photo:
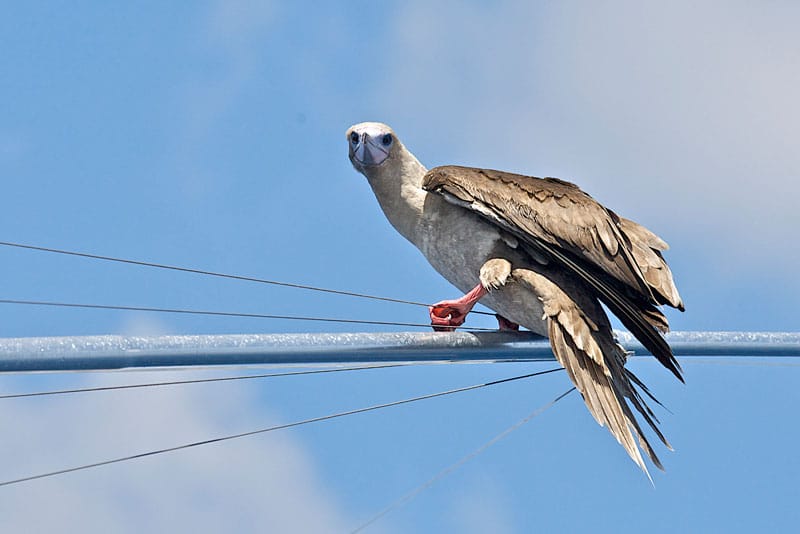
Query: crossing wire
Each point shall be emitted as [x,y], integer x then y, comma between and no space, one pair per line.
[449,469]
[270,429]
[222,313]
[197,381]
[216,274]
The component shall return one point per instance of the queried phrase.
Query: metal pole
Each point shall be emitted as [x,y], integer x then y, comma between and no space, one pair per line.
[92,353]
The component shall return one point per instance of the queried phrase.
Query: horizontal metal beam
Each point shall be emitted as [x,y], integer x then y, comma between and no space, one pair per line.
[85,353]
[117,352]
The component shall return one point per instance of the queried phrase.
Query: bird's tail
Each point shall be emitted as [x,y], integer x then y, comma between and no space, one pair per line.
[608,389]
[583,342]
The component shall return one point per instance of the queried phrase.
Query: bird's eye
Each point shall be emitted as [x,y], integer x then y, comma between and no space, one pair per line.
[354,138]
[387,140]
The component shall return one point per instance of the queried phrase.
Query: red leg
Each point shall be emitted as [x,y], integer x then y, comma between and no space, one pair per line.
[505,324]
[447,314]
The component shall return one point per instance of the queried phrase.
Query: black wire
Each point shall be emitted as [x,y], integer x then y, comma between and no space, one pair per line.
[220,313]
[217,274]
[743,363]
[270,429]
[197,381]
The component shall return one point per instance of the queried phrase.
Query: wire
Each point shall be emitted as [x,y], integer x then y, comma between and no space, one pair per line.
[743,363]
[217,274]
[449,469]
[220,313]
[270,429]
[196,381]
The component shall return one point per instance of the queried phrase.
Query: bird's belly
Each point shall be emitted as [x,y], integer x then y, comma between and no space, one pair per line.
[458,250]
[458,244]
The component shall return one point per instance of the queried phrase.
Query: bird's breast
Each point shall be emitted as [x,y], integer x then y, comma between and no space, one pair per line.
[457,242]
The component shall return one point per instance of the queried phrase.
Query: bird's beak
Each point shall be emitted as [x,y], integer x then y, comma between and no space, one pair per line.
[369,152]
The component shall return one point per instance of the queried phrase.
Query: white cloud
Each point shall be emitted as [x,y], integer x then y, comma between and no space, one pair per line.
[481,506]
[239,24]
[683,116]
[264,483]
[142,324]
[229,45]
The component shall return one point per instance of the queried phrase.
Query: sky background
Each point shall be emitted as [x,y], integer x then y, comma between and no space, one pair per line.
[211,135]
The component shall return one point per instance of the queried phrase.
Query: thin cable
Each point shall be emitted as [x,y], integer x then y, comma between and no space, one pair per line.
[449,469]
[742,363]
[196,381]
[272,428]
[221,314]
[217,274]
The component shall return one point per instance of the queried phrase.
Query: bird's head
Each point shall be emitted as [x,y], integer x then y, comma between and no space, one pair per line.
[372,145]
[393,173]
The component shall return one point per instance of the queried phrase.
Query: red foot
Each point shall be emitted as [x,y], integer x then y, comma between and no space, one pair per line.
[448,314]
[505,324]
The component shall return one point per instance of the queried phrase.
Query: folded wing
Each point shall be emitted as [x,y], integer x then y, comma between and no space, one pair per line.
[617,258]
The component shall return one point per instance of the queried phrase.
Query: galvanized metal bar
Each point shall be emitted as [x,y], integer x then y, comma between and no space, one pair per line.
[733,344]
[118,352]
[85,353]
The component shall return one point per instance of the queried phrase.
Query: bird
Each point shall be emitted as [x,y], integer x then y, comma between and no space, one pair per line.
[542,254]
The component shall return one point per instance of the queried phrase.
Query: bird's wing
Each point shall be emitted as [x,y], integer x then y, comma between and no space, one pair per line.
[550,210]
[583,342]
[646,249]
[569,226]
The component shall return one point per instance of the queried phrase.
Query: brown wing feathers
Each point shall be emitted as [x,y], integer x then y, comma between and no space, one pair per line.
[565,223]
[637,319]
[612,258]
[552,210]
[646,249]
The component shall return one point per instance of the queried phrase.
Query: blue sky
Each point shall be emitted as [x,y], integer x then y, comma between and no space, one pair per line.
[211,135]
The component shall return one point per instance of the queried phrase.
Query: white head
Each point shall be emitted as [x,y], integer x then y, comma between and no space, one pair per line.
[371,145]
[393,173]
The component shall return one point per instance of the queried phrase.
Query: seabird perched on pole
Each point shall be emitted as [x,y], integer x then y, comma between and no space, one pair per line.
[542,254]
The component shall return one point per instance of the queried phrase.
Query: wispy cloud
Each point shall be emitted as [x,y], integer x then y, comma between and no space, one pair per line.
[265,483]
[683,116]
[229,44]
[481,506]
[142,324]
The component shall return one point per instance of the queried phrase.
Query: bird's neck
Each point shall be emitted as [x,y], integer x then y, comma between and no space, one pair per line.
[398,188]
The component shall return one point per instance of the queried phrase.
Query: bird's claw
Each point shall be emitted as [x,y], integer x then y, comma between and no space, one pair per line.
[447,315]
